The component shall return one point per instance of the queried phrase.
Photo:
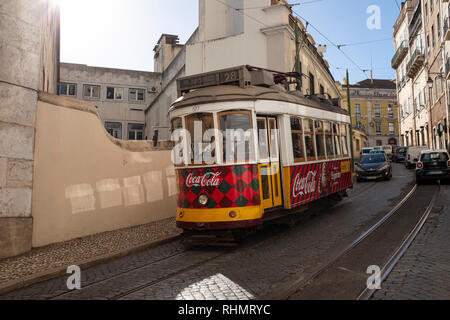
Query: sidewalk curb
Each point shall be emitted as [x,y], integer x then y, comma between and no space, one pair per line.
[84,264]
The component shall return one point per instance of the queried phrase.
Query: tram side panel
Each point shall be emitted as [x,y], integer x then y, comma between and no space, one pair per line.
[312,181]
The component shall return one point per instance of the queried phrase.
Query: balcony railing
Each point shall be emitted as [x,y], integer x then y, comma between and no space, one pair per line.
[415,63]
[400,54]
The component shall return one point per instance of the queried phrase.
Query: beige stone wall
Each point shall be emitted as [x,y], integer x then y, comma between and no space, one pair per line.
[29,57]
[86,182]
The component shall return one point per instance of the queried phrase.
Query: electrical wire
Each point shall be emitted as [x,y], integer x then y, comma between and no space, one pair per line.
[364,42]
[331,42]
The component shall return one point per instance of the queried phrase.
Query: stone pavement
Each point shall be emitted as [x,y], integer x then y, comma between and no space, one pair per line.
[424,271]
[263,265]
[59,256]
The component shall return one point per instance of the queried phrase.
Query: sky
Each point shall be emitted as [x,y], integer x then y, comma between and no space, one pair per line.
[122,33]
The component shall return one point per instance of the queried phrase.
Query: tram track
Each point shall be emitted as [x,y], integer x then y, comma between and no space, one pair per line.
[295,289]
[251,242]
[367,293]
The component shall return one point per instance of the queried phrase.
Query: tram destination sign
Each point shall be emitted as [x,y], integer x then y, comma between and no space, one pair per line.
[235,76]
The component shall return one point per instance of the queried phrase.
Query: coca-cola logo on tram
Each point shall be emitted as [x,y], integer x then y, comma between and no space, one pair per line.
[304,185]
[210,179]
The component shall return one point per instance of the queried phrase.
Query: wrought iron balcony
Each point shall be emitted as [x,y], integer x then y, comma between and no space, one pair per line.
[415,63]
[400,54]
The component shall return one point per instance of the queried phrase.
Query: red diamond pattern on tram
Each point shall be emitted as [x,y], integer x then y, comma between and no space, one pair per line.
[238,187]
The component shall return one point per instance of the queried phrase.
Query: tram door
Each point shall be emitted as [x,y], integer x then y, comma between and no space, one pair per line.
[269,167]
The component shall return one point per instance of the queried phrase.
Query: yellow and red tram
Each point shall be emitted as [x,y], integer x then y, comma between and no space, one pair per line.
[297,152]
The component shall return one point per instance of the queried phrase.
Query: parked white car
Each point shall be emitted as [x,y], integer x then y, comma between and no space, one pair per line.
[413,155]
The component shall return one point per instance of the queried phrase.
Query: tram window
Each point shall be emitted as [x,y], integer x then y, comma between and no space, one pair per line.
[262,138]
[344,140]
[337,142]
[239,123]
[328,140]
[273,139]
[308,131]
[265,182]
[205,122]
[297,140]
[320,139]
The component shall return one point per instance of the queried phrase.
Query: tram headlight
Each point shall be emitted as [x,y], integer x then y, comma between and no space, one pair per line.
[203,200]
[233,214]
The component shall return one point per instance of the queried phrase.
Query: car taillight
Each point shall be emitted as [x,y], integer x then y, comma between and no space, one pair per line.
[448,163]
[419,165]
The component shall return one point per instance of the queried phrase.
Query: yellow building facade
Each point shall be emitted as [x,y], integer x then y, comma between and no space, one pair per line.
[374,110]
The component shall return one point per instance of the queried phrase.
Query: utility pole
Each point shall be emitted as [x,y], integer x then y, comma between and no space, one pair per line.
[351,122]
[298,67]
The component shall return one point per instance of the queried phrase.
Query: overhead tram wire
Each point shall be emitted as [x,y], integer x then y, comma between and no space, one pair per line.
[363,43]
[332,43]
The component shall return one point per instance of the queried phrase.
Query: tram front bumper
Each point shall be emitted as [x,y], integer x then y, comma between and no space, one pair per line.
[219,219]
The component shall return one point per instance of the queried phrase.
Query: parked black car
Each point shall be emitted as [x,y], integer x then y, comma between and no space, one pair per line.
[374,166]
[433,165]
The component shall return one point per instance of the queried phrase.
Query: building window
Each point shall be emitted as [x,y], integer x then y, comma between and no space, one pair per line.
[136,95]
[322,89]
[379,143]
[378,127]
[135,132]
[114,129]
[114,93]
[433,41]
[426,12]
[358,109]
[360,126]
[312,89]
[377,108]
[358,145]
[68,89]
[91,92]
[425,96]
[391,110]
[439,25]
[436,84]
[391,128]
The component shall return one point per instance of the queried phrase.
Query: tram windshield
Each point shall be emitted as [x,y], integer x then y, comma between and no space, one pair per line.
[200,126]
[237,136]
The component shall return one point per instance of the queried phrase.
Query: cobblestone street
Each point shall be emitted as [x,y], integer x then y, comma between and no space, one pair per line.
[170,272]
[424,271]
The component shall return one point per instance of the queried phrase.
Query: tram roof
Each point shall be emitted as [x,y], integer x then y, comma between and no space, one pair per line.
[225,93]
